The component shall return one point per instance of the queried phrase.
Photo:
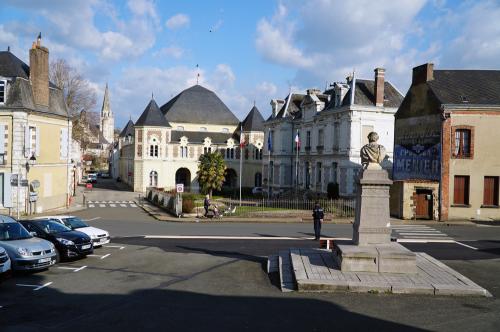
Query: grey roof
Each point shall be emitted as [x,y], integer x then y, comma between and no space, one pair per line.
[199,136]
[198,105]
[466,86]
[12,66]
[152,116]
[20,93]
[365,94]
[128,130]
[254,121]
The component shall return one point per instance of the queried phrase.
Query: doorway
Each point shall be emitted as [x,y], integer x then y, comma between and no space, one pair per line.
[423,204]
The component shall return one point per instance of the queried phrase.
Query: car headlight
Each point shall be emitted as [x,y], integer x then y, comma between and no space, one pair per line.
[24,252]
[93,236]
[65,242]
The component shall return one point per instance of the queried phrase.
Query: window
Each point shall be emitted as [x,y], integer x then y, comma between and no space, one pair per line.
[318,173]
[153,148]
[462,143]
[336,135]
[461,190]
[207,149]
[229,153]
[334,172]
[153,179]
[184,151]
[490,196]
[3,91]
[308,139]
[321,137]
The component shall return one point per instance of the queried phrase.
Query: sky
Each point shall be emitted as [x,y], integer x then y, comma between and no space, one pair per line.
[249,51]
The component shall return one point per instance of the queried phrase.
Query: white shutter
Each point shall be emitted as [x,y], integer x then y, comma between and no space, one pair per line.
[2,139]
[64,143]
[37,142]
[7,190]
[27,142]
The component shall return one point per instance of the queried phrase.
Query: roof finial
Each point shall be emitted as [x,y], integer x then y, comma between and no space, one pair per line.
[197,74]
[39,39]
[254,103]
[152,95]
[8,48]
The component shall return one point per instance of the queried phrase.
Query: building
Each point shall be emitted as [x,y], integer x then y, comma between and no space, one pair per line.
[332,127]
[161,149]
[446,163]
[35,132]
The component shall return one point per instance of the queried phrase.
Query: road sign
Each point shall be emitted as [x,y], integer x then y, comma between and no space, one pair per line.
[13,180]
[33,196]
[24,183]
[179,187]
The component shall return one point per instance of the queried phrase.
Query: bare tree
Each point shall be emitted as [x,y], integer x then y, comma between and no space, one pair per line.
[78,94]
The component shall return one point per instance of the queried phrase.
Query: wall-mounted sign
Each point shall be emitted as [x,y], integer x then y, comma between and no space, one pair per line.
[13,180]
[24,183]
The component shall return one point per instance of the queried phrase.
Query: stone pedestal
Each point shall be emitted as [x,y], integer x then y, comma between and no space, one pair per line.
[372,225]
[371,249]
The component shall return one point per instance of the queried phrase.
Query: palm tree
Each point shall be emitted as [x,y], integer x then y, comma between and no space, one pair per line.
[211,172]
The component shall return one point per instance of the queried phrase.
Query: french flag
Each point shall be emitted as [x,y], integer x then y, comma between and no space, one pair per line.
[297,140]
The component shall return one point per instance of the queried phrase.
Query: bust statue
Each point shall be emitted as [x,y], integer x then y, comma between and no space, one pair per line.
[372,154]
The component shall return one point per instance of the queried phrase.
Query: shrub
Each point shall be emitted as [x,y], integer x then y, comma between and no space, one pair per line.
[187,205]
[333,190]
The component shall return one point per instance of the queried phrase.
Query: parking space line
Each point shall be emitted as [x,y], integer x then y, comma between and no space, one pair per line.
[107,255]
[118,247]
[123,205]
[133,205]
[35,287]
[112,205]
[99,256]
[91,205]
[466,245]
[102,205]
[91,219]
[75,269]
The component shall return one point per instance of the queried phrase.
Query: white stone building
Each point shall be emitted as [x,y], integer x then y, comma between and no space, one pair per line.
[332,126]
[163,146]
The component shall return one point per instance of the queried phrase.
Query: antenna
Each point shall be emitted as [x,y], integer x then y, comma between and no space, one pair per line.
[197,74]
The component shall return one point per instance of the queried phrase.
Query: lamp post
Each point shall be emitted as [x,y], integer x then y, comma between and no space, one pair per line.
[29,163]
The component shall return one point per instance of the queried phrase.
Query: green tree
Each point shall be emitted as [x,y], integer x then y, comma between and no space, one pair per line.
[211,171]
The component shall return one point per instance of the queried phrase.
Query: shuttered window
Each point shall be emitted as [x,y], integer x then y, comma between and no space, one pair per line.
[490,195]
[461,190]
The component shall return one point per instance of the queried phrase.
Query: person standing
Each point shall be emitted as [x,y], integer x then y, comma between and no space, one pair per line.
[318,215]
[206,204]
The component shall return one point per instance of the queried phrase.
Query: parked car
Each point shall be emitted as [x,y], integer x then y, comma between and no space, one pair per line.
[69,244]
[91,178]
[25,251]
[5,265]
[257,190]
[99,236]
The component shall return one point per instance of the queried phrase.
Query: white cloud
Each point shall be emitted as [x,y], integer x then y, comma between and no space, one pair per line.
[143,8]
[223,76]
[266,88]
[170,51]
[177,21]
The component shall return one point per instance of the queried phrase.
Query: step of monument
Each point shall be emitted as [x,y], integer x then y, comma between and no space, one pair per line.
[287,277]
[272,264]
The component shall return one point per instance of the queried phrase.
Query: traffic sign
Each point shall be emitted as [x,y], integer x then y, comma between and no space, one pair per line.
[179,187]
[24,183]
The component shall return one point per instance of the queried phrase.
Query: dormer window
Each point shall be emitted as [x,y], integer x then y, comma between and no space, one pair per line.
[3,91]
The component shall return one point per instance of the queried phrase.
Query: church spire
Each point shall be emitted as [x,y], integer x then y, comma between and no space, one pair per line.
[106,109]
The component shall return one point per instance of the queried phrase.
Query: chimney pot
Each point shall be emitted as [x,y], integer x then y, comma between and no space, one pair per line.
[423,73]
[379,86]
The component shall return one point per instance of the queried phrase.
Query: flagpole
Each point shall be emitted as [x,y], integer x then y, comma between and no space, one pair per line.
[269,164]
[241,156]
[297,163]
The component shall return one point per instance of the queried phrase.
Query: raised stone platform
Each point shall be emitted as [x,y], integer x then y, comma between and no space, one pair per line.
[315,270]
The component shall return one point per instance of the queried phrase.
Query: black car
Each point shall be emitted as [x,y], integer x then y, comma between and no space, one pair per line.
[69,243]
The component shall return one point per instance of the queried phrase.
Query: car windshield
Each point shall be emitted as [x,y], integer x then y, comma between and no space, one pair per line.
[51,227]
[74,222]
[13,231]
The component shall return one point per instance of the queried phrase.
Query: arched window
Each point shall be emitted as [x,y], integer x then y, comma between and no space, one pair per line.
[153,179]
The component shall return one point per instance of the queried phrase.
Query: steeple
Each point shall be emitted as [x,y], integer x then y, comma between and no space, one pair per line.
[106,110]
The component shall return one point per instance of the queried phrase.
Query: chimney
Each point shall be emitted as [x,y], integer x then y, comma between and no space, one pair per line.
[379,86]
[39,72]
[276,105]
[423,73]
[313,91]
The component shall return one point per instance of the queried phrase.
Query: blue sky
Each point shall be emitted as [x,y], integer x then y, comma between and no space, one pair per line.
[249,50]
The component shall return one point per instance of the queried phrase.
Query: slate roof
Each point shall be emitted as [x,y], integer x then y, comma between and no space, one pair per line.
[199,136]
[480,87]
[20,93]
[152,116]
[12,66]
[198,105]
[254,121]
[129,129]
[364,94]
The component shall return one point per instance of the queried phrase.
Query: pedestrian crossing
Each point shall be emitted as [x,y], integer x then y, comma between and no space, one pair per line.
[111,204]
[419,233]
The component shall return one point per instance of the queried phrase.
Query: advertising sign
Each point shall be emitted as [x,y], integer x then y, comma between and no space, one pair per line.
[417,149]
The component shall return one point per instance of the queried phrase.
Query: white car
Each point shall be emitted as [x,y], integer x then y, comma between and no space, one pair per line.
[99,236]
[4,263]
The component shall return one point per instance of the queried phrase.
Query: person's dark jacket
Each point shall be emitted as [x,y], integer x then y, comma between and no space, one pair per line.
[318,213]
[206,203]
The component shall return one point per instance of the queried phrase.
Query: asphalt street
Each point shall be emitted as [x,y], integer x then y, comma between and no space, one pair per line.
[215,280]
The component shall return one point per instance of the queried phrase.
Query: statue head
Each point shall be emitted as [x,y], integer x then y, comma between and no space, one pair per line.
[372,137]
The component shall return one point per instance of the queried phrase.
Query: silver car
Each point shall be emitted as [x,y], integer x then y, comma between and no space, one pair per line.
[25,251]
[4,263]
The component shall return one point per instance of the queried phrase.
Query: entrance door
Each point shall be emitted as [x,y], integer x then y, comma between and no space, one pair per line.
[424,204]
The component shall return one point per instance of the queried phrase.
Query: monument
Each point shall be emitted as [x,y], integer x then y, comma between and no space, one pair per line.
[371,249]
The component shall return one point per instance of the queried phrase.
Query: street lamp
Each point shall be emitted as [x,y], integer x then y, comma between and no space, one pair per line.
[30,163]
